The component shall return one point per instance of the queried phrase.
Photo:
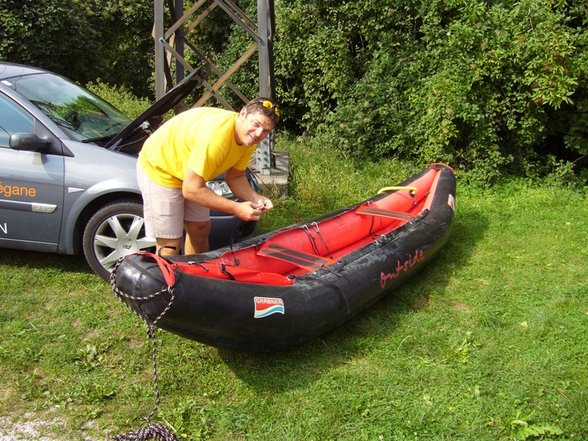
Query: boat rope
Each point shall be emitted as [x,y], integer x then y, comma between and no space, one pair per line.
[157,432]
[275,195]
[201,264]
[311,238]
[240,228]
[373,221]
[223,269]
[318,232]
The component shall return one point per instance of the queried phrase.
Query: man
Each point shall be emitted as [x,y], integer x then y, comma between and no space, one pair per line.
[190,149]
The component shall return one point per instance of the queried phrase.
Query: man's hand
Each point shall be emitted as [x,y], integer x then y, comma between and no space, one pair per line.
[194,189]
[248,211]
[265,205]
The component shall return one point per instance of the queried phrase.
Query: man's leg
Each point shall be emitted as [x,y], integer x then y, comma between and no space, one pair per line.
[163,211]
[196,237]
[168,247]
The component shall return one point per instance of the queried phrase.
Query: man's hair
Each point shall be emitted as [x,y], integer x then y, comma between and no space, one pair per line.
[264,106]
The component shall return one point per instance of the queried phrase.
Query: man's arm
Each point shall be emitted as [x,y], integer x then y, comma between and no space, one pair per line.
[239,185]
[194,188]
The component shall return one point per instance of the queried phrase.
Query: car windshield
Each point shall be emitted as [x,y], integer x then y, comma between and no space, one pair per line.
[83,115]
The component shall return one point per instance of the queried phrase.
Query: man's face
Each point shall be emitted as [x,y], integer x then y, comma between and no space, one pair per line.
[252,128]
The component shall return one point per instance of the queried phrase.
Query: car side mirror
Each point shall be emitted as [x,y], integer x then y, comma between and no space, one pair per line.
[28,142]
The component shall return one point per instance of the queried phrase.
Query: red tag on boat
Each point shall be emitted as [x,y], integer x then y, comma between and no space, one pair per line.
[265,306]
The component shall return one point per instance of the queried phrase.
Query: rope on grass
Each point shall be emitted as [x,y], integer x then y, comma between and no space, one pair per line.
[157,432]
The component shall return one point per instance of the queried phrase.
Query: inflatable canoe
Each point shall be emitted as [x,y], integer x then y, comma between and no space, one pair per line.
[282,288]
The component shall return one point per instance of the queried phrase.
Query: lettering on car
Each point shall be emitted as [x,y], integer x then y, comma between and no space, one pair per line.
[9,191]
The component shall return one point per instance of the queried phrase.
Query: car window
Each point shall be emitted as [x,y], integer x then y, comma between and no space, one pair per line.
[13,119]
[80,113]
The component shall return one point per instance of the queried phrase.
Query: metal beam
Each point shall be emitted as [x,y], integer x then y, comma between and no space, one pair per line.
[265,20]
[172,43]
[264,159]
[224,77]
[159,51]
[178,12]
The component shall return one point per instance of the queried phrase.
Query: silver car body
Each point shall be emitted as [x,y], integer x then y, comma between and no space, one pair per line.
[49,192]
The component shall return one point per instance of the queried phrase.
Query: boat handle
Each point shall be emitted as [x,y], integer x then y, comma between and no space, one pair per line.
[411,190]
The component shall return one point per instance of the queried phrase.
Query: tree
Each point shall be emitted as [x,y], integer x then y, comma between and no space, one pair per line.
[84,40]
[487,86]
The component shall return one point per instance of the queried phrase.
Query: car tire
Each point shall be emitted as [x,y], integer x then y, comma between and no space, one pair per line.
[114,231]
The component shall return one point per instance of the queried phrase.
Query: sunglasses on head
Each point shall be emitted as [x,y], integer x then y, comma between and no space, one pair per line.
[271,106]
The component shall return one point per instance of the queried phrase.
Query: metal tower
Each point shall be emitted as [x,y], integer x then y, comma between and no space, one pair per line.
[173,44]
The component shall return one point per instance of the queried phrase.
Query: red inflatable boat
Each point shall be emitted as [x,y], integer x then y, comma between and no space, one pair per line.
[281,288]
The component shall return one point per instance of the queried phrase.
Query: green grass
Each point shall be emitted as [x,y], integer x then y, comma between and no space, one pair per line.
[486,343]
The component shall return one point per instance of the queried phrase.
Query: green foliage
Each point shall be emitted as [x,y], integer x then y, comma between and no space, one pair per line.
[522,430]
[493,88]
[488,87]
[488,342]
[120,97]
[81,39]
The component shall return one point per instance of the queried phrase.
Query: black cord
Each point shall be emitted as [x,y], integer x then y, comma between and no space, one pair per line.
[275,195]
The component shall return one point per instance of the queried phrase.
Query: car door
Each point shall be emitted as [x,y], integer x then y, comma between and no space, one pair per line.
[31,184]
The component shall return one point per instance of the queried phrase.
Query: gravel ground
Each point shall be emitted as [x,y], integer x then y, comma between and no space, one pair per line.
[30,430]
[30,427]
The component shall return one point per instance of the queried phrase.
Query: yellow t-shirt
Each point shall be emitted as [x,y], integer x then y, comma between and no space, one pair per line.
[202,139]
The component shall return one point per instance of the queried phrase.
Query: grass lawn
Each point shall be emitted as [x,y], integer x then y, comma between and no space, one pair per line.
[487,343]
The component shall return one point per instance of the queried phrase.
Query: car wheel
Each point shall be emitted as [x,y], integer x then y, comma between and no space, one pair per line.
[114,231]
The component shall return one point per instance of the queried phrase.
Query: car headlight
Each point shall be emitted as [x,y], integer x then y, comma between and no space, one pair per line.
[220,187]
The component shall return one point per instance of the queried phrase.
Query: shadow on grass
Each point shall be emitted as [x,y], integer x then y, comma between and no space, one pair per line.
[303,364]
[32,259]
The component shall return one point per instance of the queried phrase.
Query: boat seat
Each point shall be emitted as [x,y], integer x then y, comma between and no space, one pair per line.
[372,211]
[310,262]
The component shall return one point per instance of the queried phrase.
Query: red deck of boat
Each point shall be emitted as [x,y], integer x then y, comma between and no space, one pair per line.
[303,249]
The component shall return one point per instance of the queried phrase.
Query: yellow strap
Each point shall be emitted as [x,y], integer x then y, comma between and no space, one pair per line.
[412,190]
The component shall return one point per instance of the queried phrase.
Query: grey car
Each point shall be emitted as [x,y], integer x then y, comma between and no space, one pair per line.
[67,170]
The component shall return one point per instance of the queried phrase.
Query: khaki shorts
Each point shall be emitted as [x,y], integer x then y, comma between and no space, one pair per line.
[165,209]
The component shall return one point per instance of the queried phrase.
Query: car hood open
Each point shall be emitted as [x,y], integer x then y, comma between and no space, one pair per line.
[153,116]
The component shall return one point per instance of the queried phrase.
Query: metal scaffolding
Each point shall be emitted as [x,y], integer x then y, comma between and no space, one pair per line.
[173,44]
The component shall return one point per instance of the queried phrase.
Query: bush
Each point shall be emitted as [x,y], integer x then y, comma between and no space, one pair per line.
[489,87]
[120,97]
[82,40]
[493,88]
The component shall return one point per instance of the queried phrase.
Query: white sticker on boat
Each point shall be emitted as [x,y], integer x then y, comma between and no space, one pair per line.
[265,306]
[451,201]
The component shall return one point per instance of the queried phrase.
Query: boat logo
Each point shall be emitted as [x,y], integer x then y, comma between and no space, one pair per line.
[402,267]
[265,306]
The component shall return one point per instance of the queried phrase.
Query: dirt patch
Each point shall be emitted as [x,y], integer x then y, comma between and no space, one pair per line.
[420,302]
[461,307]
[29,429]
[41,427]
